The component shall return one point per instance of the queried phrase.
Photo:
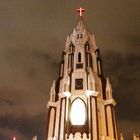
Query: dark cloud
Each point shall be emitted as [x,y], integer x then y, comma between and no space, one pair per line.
[125,77]
[32,37]
[24,126]
[127,127]
[3,137]
[6,101]
[8,134]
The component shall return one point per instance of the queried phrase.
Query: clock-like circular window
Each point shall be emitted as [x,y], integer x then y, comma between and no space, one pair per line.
[79,84]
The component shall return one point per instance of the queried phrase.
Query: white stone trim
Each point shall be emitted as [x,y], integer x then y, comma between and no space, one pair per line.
[111,101]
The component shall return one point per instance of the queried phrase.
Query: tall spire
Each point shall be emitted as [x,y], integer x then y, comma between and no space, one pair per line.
[80,23]
[80,92]
[108,89]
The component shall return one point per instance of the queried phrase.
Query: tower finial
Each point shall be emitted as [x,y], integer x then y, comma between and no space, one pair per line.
[81,11]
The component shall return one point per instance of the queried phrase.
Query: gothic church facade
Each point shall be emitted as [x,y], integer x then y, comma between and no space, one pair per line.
[81,105]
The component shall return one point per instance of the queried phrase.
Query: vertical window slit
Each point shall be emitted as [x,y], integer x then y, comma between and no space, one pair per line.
[79,57]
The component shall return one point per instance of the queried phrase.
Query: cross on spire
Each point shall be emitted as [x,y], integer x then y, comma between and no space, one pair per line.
[81,11]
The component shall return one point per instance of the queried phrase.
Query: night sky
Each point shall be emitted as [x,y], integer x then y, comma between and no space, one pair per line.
[32,38]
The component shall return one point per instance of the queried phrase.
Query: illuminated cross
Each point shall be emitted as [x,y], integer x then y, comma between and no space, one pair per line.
[80,11]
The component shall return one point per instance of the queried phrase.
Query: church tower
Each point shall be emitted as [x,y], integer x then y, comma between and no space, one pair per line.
[81,105]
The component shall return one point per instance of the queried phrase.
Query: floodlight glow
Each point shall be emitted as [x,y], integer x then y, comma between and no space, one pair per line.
[67,93]
[78,112]
[14,138]
[89,92]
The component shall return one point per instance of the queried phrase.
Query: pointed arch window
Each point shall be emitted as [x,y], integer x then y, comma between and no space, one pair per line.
[87,47]
[79,57]
[71,48]
[78,112]
[77,36]
[79,64]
